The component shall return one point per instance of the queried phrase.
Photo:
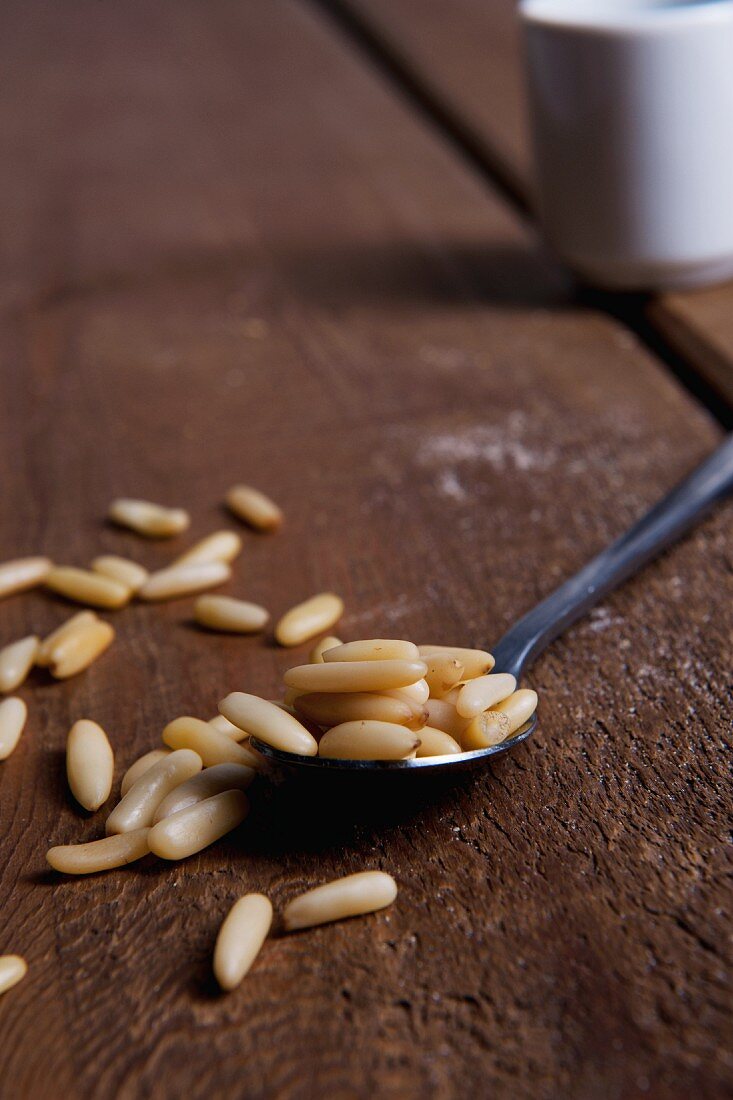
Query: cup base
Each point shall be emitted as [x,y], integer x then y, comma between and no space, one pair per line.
[659,277]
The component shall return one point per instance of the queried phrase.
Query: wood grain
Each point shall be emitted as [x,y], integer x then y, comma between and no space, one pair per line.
[469,66]
[233,254]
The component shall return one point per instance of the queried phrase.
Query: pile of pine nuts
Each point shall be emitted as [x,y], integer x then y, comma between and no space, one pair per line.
[370,699]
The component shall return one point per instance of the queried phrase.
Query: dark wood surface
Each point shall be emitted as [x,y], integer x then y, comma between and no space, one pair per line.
[232,252]
[468,62]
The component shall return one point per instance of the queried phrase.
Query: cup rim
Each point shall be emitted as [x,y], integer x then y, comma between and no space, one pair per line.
[607,20]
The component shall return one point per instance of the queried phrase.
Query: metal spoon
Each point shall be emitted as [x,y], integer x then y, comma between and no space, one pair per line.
[666,522]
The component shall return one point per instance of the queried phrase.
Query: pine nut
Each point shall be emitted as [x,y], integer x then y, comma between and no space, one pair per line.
[83,586]
[268,723]
[377,676]
[332,708]
[154,521]
[49,643]
[80,648]
[211,781]
[374,649]
[435,742]
[127,572]
[444,672]
[444,716]
[230,615]
[305,620]
[187,832]
[140,766]
[221,546]
[368,741]
[137,808]
[483,692]
[16,661]
[90,764]
[240,939]
[352,896]
[212,746]
[500,721]
[312,727]
[223,725]
[416,694]
[184,580]
[23,573]
[476,662]
[316,654]
[13,714]
[254,508]
[99,855]
[13,969]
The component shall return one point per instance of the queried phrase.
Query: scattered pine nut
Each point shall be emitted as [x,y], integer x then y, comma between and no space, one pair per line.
[47,646]
[221,546]
[316,654]
[377,676]
[332,708]
[240,939]
[499,722]
[213,746]
[127,572]
[351,896]
[184,580]
[154,521]
[90,764]
[13,969]
[444,672]
[305,620]
[139,767]
[99,855]
[13,714]
[211,781]
[476,662]
[484,692]
[269,723]
[254,508]
[23,573]
[16,661]
[187,832]
[230,615]
[137,808]
[436,743]
[374,649]
[79,648]
[368,741]
[84,586]
[223,725]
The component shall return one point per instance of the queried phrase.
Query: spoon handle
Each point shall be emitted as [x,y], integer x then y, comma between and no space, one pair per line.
[659,528]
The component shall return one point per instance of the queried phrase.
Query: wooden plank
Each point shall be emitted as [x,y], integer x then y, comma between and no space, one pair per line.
[232,253]
[469,64]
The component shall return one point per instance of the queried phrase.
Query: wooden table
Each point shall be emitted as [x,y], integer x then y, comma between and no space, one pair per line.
[241,242]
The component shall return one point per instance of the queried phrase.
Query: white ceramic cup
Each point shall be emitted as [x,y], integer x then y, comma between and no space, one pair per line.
[631,105]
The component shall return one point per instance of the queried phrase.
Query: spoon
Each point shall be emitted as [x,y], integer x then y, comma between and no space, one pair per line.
[666,522]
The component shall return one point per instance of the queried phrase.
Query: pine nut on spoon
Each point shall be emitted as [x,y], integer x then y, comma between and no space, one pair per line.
[355,675]
[240,939]
[267,722]
[351,896]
